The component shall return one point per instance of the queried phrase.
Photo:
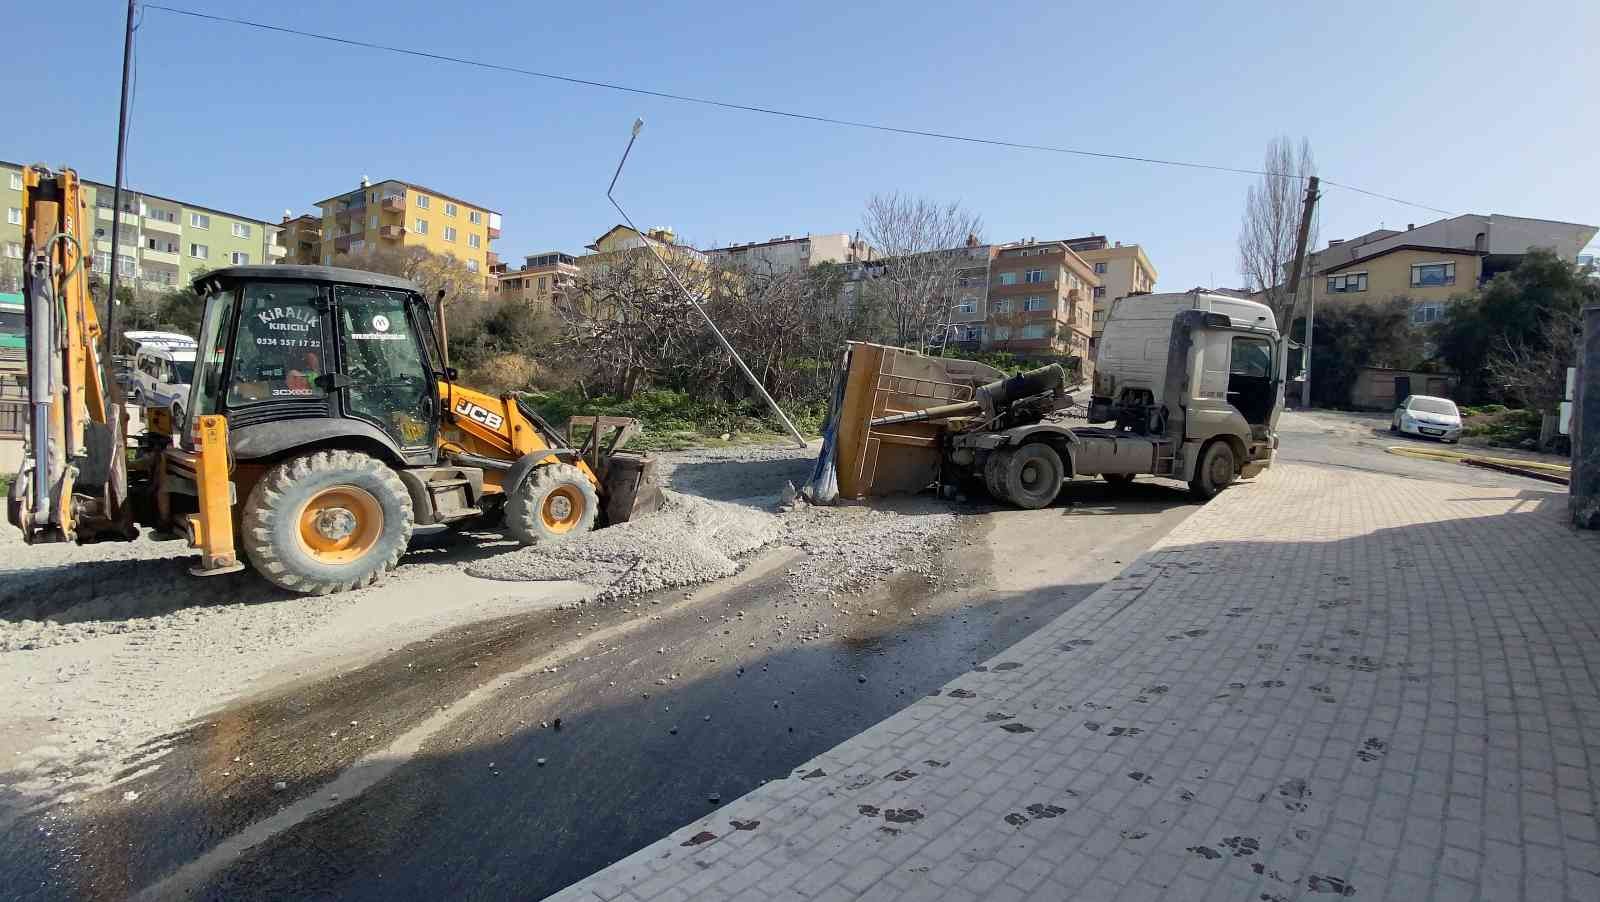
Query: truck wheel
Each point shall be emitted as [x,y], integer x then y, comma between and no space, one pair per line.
[994,478]
[1033,475]
[555,503]
[1215,472]
[326,522]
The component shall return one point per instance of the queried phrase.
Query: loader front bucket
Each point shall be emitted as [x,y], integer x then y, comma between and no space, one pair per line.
[629,482]
[632,487]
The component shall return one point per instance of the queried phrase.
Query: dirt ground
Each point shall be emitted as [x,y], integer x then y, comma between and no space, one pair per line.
[106,647]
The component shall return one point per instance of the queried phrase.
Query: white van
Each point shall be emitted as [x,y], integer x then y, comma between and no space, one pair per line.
[162,368]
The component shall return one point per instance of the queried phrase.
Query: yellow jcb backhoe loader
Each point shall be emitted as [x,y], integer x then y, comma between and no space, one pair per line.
[323,425]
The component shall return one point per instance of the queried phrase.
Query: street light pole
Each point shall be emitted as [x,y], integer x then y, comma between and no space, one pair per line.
[1294,287]
[116,206]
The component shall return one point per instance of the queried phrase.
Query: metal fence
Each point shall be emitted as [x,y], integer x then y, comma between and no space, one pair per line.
[13,419]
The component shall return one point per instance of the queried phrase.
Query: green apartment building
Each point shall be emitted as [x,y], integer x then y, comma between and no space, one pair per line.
[164,242]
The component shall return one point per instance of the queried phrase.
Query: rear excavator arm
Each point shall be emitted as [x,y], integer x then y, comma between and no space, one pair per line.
[73,483]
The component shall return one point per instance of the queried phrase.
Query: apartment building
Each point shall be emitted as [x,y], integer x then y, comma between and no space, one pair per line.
[1432,263]
[1123,270]
[788,253]
[621,241]
[969,302]
[398,214]
[301,238]
[164,243]
[543,277]
[1040,299]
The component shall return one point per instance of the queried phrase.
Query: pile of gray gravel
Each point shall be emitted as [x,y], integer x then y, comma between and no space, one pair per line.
[723,504]
[690,540]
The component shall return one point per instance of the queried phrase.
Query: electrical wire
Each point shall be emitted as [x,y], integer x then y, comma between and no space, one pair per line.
[767,111]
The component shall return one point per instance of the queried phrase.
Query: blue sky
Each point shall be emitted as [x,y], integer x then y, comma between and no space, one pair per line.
[1464,106]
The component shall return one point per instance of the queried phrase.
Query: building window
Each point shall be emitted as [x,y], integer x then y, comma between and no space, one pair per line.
[967,305]
[1008,278]
[199,221]
[240,258]
[102,261]
[1354,281]
[372,223]
[449,209]
[14,215]
[475,217]
[13,250]
[241,230]
[16,181]
[971,333]
[423,201]
[1099,291]
[1034,330]
[1035,302]
[544,282]
[126,265]
[474,240]
[199,251]
[1425,274]
[1100,269]
[1034,276]
[1423,314]
[1000,333]
[472,266]
[449,233]
[1000,305]
[422,227]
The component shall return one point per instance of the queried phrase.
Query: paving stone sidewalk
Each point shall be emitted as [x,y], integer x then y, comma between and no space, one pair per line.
[1324,684]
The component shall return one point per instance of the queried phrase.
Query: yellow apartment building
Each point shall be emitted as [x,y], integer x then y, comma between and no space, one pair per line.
[397,214]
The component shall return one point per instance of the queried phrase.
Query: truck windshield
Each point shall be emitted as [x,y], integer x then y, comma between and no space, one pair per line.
[182,371]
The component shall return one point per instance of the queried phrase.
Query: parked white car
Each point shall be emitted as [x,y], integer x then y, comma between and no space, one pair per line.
[1428,417]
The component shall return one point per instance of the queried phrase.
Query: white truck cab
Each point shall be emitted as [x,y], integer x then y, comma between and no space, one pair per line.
[1199,369]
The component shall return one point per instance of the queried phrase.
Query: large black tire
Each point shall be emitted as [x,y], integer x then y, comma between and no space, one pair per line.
[1033,475]
[994,469]
[555,503]
[1215,472]
[326,522]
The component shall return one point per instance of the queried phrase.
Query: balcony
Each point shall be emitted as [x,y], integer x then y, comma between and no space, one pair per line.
[392,232]
[395,203]
[277,251]
[155,256]
[161,225]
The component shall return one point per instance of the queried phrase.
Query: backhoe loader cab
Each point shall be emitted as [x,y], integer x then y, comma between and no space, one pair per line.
[344,429]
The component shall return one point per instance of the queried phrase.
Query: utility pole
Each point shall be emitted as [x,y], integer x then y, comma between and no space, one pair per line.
[1294,287]
[116,208]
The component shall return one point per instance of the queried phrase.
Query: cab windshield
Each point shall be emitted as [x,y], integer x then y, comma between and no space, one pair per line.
[182,372]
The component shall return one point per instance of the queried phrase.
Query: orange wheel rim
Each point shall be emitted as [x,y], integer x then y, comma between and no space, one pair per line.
[562,509]
[340,524]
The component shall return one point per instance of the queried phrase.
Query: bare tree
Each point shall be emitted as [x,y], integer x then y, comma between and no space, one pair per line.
[923,245]
[1271,225]
[1535,372]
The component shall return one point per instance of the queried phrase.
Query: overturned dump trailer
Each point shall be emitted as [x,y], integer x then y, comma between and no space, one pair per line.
[1188,386]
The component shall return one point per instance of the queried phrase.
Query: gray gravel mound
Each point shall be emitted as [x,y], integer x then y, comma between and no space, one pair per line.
[690,540]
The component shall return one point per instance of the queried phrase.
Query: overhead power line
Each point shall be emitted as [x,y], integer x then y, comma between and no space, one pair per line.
[767,111]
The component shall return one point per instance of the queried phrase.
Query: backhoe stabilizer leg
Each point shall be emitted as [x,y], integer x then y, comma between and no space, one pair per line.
[211,530]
